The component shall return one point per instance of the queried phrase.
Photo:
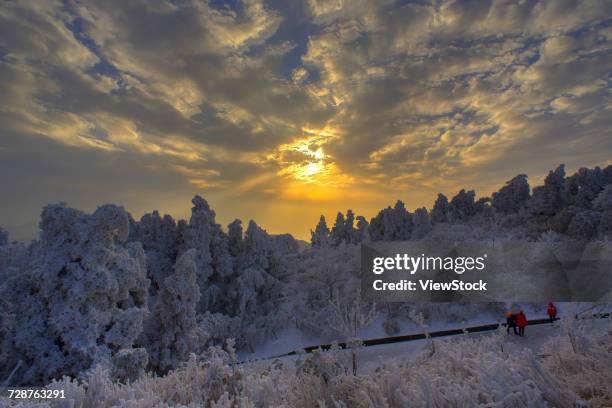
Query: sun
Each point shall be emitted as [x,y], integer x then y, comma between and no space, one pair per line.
[311,169]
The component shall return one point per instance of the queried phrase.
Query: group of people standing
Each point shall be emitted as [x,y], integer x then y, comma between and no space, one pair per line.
[519,320]
[516,320]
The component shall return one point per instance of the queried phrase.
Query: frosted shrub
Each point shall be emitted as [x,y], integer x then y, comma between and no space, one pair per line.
[129,364]
[466,371]
[582,361]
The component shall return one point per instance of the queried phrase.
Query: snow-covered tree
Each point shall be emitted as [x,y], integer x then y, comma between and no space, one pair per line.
[198,236]
[258,292]
[584,225]
[283,256]
[462,206]
[513,196]
[13,260]
[323,272]
[234,233]
[172,331]
[422,223]
[339,231]
[344,230]
[362,233]
[582,187]
[160,240]
[603,204]
[213,260]
[84,297]
[549,198]
[4,237]
[320,236]
[392,224]
[440,210]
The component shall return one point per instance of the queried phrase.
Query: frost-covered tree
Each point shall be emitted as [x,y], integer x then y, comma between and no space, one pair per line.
[283,256]
[462,206]
[422,223]
[320,236]
[511,197]
[198,236]
[362,233]
[603,204]
[582,187]
[172,332]
[213,260]
[339,231]
[584,225]
[561,221]
[350,219]
[4,237]
[84,296]
[160,240]
[257,291]
[603,201]
[322,273]
[344,230]
[482,207]
[549,198]
[13,260]
[392,224]
[440,210]
[234,233]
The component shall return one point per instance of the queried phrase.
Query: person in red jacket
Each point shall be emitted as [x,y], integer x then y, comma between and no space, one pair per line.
[552,312]
[521,322]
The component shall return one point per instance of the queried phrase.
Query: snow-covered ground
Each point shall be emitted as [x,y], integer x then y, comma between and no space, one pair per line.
[371,357]
[535,337]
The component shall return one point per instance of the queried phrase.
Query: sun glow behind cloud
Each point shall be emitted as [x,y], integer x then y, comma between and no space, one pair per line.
[305,160]
[295,107]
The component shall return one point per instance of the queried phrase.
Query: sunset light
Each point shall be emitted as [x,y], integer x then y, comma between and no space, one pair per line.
[305,203]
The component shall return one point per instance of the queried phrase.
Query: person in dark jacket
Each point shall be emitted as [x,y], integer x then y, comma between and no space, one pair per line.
[521,322]
[510,322]
[552,312]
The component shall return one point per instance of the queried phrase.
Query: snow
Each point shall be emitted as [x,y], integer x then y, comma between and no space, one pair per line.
[371,357]
[292,339]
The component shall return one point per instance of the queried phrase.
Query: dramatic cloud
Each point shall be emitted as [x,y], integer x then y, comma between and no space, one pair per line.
[280,110]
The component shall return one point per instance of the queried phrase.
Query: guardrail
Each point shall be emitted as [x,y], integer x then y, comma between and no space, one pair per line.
[416,336]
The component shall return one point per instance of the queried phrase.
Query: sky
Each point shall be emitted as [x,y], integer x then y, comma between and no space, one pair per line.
[280,111]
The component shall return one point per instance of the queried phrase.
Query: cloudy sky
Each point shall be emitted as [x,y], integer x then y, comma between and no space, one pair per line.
[280,110]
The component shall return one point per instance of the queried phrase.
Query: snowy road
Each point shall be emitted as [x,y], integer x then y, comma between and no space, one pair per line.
[535,336]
